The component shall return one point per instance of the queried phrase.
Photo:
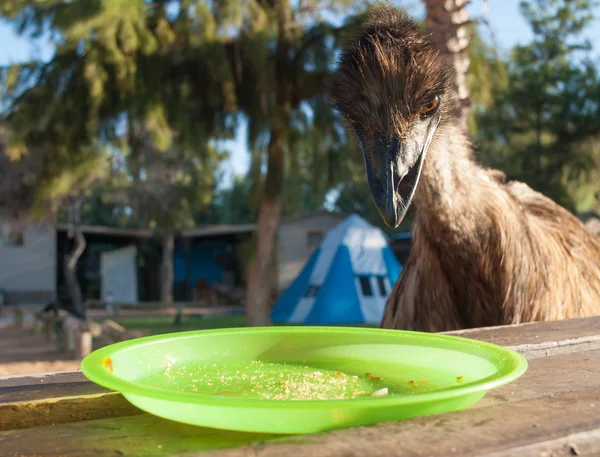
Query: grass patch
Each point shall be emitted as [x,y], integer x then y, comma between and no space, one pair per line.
[164,324]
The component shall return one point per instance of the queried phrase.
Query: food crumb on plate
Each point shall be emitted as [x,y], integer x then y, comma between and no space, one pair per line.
[380,392]
[373,378]
[107,363]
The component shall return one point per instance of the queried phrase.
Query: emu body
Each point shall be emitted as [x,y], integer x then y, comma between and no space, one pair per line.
[485,252]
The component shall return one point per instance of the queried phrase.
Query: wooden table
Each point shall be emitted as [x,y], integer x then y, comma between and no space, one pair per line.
[553,410]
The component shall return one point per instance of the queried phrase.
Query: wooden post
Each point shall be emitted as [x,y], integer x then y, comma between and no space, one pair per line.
[67,340]
[56,329]
[38,326]
[187,242]
[49,324]
[78,336]
[166,281]
[84,346]
[71,333]
[18,317]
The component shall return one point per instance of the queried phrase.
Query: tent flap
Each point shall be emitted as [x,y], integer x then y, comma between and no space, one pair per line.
[336,301]
[346,281]
[284,309]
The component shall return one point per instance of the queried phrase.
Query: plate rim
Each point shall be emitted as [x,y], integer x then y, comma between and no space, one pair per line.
[516,365]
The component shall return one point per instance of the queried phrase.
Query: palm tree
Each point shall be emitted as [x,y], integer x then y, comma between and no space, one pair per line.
[448,21]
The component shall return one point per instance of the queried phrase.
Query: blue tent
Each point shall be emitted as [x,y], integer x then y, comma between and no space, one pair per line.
[346,280]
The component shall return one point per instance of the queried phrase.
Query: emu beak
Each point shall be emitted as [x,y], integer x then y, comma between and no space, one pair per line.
[393,172]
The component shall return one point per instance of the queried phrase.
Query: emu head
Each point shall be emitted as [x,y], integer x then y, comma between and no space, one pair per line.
[394,89]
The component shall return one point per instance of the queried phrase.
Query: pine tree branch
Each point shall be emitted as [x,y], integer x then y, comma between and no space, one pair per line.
[314,83]
[314,39]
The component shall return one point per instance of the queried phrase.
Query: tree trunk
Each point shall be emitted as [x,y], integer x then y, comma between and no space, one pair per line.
[166,283]
[447,20]
[259,284]
[78,306]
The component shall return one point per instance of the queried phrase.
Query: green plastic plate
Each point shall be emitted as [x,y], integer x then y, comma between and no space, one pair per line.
[293,380]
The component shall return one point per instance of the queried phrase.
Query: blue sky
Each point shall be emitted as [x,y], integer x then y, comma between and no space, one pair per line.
[504,17]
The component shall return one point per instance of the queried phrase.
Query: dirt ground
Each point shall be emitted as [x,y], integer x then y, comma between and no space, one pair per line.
[20,368]
[23,352]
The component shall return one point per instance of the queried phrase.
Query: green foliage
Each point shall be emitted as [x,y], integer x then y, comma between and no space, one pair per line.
[487,77]
[539,123]
[235,205]
[320,156]
[136,91]
[119,64]
[184,71]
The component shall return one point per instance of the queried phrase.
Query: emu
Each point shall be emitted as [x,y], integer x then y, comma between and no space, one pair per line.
[485,251]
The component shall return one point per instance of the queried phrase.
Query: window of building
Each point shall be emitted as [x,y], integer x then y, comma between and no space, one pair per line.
[311,291]
[365,285]
[382,286]
[313,238]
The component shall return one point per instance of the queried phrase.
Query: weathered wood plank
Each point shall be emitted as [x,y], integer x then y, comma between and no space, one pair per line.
[48,391]
[469,433]
[48,399]
[560,374]
[567,346]
[580,444]
[476,432]
[567,377]
[535,332]
[64,410]
[143,436]
[37,400]
[41,378]
[564,364]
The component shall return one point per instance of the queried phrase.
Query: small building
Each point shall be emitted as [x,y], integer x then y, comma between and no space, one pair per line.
[213,256]
[32,257]
[101,241]
[27,261]
[208,263]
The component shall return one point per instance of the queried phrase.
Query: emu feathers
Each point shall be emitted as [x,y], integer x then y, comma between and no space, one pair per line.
[485,252]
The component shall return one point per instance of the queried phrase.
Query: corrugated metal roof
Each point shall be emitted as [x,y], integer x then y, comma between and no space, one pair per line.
[102,230]
[214,230]
[195,232]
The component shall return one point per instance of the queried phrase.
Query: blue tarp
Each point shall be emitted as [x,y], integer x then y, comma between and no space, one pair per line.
[346,280]
[203,262]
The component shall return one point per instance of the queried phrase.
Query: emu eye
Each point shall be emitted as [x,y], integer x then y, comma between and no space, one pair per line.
[431,107]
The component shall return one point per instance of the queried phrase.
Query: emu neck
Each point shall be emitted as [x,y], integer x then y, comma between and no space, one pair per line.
[446,197]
